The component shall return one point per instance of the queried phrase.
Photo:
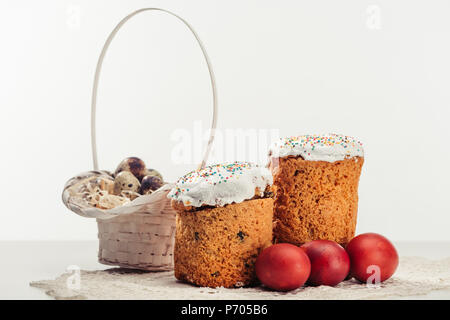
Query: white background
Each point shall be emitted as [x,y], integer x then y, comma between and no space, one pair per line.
[296,66]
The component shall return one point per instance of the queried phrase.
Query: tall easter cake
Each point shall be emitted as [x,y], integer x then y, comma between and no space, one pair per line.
[316,179]
[224,219]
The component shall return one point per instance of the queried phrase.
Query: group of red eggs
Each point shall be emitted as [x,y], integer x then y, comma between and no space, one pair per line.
[369,257]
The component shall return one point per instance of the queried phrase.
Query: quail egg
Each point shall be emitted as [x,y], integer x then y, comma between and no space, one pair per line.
[125,180]
[134,165]
[150,183]
[153,172]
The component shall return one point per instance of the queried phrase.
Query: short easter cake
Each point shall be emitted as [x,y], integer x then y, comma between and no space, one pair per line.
[224,219]
[316,179]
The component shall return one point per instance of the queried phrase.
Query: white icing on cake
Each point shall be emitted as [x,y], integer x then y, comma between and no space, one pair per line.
[221,184]
[326,147]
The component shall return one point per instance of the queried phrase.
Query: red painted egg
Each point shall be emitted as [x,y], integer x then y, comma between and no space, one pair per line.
[283,267]
[373,258]
[330,263]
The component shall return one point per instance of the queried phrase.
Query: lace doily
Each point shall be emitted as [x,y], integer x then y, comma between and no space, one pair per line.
[415,276]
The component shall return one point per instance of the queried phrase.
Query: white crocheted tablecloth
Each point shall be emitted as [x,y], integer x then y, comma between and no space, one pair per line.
[415,276]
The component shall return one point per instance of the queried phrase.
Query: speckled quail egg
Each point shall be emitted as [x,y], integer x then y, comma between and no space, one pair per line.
[150,183]
[134,165]
[153,172]
[125,180]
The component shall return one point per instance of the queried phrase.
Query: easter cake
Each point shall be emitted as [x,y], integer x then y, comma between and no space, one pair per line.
[316,179]
[224,219]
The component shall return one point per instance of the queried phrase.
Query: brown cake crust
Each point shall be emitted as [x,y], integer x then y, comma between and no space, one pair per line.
[315,199]
[218,246]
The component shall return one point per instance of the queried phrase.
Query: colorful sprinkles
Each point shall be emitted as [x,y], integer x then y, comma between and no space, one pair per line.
[322,140]
[212,175]
[315,145]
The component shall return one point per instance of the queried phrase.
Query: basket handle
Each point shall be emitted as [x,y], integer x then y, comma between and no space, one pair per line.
[99,68]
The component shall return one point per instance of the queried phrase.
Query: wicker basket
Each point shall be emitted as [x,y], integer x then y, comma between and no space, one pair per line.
[137,240]
[141,234]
